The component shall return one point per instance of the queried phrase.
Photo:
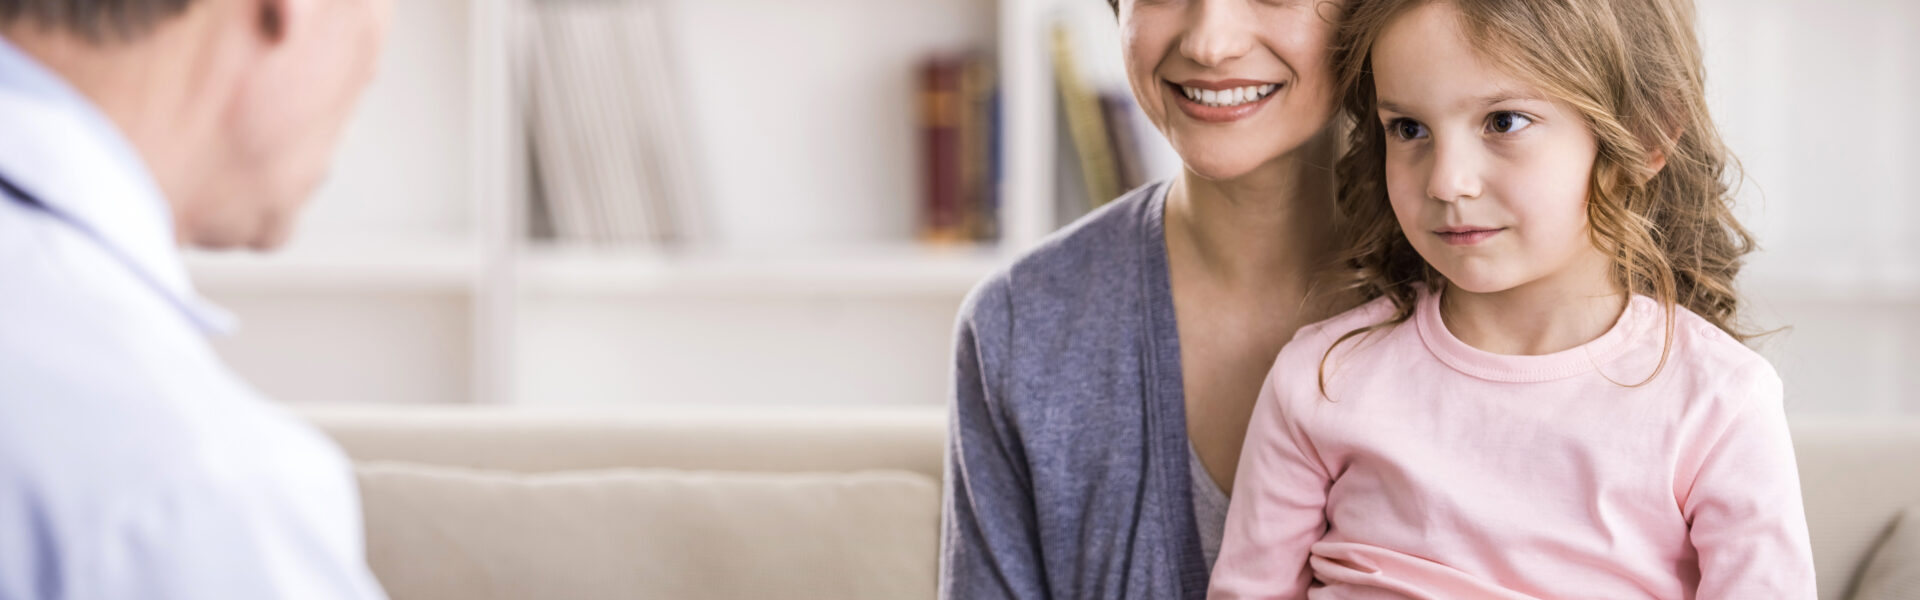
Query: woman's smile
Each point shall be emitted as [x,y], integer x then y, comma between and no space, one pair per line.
[1222,101]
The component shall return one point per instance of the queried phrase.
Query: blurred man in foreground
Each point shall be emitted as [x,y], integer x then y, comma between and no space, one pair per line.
[133,464]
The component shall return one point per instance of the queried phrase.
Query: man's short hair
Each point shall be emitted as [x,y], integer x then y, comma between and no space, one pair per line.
[93,20]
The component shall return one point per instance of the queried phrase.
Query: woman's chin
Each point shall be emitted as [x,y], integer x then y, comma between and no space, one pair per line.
[1221,168]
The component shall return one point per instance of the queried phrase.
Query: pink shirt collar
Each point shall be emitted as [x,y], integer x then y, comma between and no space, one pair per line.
[1642,316]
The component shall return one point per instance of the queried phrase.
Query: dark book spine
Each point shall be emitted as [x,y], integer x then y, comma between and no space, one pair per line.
[976,145]
[943,213]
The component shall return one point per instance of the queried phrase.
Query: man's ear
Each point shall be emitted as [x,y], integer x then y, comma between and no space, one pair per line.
[276,19]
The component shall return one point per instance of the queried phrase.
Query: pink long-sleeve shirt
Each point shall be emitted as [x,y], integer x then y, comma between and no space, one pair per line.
[1432,469]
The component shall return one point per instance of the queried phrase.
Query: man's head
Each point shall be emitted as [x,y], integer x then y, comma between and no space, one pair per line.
[235,105]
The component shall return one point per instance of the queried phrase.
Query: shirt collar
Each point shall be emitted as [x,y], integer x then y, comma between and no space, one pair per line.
[71,159]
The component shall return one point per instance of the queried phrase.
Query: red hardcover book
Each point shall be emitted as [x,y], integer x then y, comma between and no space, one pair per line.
[943,208]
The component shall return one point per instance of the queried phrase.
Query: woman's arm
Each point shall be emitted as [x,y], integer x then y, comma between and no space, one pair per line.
[1744,507]
[1279,500]
[989,541]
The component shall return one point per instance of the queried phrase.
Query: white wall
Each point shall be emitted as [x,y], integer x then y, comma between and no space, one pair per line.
[1816,100]
[736,349]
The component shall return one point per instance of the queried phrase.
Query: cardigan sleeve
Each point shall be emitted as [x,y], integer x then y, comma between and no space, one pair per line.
[989,542]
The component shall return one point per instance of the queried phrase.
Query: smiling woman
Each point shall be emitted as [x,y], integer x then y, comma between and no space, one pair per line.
[1104,380]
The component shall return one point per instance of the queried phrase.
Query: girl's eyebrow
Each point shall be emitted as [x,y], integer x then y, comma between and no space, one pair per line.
[1483,102]
[1506,96]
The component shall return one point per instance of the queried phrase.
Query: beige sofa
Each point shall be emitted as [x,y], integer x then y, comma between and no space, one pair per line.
[815,502]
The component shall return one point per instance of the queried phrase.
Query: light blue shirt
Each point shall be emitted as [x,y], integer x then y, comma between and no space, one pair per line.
[133,463]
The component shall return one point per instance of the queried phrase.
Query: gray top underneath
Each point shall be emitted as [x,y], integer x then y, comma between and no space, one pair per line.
[1209,507]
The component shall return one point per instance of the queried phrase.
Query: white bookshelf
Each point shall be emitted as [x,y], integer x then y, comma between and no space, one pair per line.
[804,121]
[425,263]
[411,281]
[883,271]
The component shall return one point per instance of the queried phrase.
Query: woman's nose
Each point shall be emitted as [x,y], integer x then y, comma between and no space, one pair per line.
[1219,31]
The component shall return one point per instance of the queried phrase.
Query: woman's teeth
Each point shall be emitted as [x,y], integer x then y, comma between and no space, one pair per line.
[1229,97]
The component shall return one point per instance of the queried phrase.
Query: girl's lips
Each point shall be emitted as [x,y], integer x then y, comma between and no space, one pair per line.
[1217,114]
[1467,237]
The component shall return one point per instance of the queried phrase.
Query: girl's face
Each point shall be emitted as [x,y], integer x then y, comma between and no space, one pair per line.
[1233,84]
[1487,176]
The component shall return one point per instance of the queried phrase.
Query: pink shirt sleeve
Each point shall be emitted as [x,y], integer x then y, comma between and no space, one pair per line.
[1744,506]
[1278,509]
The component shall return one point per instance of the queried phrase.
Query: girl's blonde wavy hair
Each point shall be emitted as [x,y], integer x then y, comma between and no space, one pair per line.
[1633,69]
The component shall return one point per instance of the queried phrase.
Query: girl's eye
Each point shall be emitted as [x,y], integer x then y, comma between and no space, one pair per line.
[1507,122]
[1406,129]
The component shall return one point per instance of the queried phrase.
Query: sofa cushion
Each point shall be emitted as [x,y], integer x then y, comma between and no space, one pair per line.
[1893,573]
[1855,476]
[452,533]
[533,439]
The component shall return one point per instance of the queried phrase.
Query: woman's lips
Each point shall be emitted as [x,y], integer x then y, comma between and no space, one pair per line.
[1219,114]
[1467,236]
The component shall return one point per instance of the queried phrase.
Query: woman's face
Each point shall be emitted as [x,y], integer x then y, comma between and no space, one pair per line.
[1233,84]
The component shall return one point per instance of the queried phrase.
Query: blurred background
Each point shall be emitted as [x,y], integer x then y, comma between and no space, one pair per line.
[761,202]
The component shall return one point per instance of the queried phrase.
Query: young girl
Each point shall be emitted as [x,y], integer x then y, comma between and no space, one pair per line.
[1547,396]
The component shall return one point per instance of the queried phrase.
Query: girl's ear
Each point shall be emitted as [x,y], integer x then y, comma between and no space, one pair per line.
[1657,159]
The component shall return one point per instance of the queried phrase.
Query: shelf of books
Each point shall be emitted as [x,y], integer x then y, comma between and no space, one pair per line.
[530,180]
[936,133]
[625,149]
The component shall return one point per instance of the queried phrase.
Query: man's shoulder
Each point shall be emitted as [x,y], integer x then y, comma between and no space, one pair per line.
[70,274]
[79,404]
[79,441]
[102,376]
[175,491]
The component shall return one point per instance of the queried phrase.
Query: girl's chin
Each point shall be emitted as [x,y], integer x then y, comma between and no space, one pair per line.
[1483,283]
[1476,287]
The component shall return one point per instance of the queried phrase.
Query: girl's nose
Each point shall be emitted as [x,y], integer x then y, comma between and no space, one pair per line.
[1218,32]
[1455,175]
